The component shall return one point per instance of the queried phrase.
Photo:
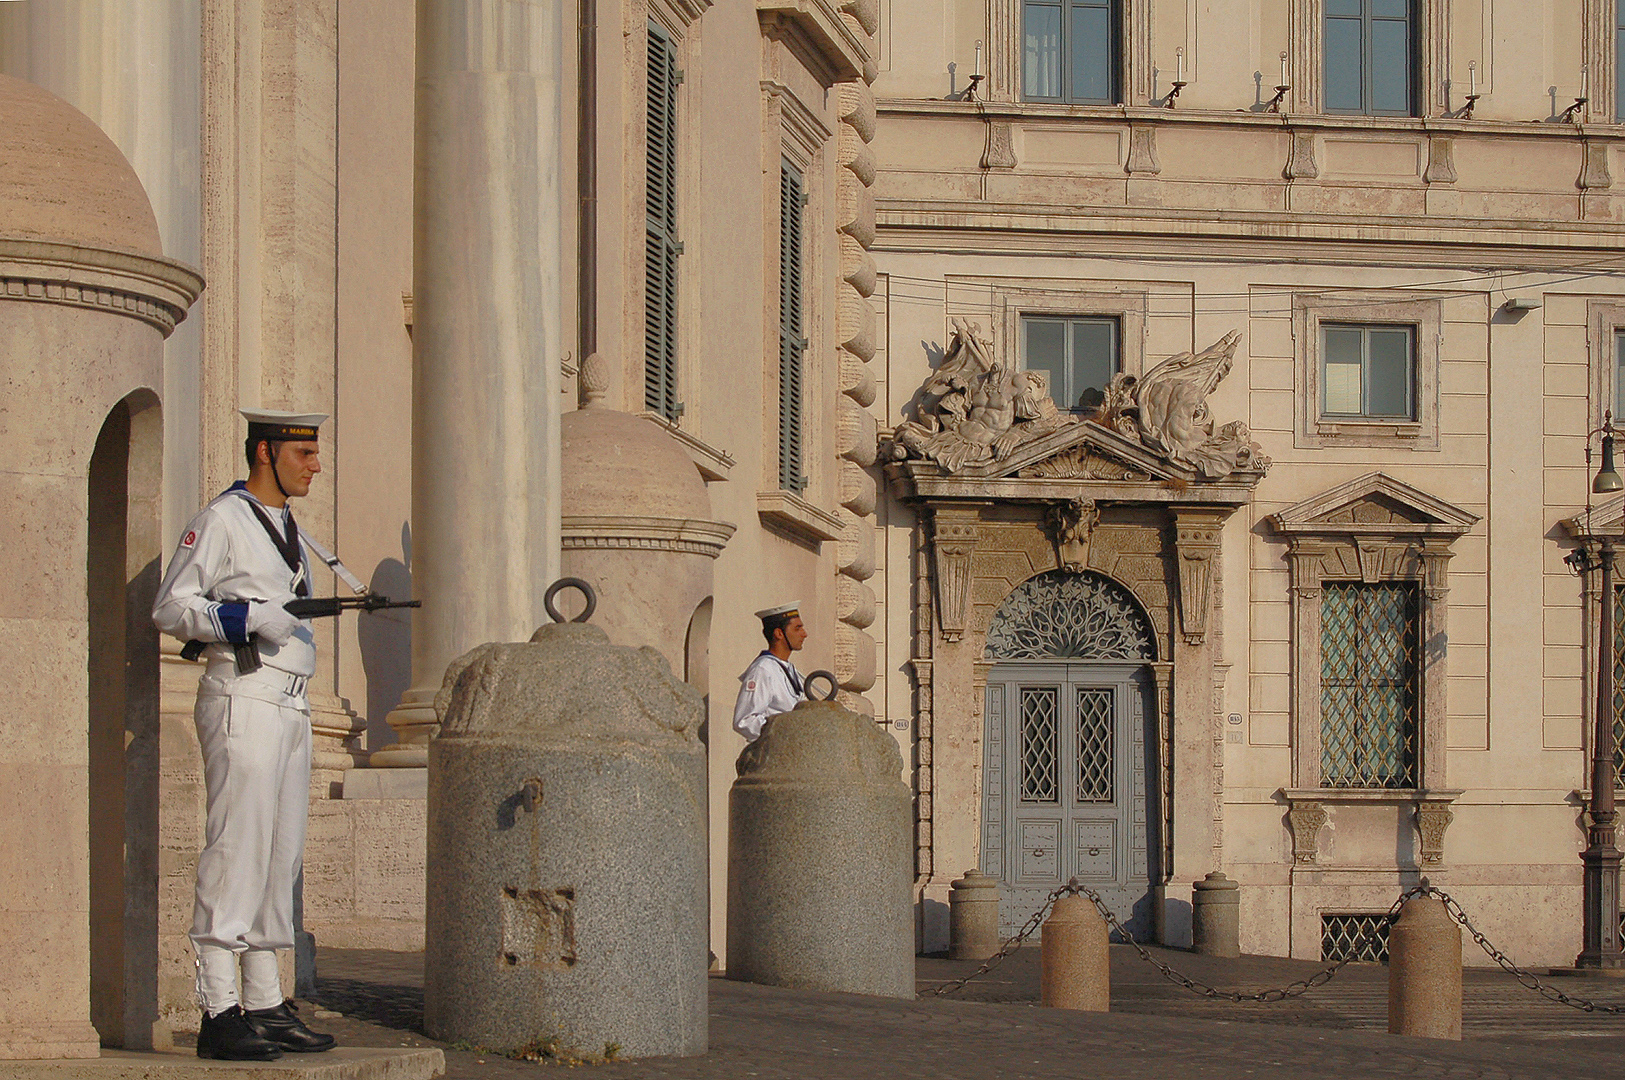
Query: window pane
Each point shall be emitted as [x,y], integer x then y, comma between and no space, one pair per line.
[1387,9]
[1091,53]
[1388,372]
[1041,55]
[1094,362]
[1343,7]
[1391,66]
[1619,374]
[1046,352]
[1343,49]
[1341,363]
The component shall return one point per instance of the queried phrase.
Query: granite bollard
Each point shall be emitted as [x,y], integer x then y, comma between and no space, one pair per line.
[1075,964]
[973,916]
[1424,971]
[820,858]
[1216,916]
[567,891]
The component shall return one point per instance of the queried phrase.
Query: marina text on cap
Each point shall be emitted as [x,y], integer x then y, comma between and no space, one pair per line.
[783,611]
[279,426]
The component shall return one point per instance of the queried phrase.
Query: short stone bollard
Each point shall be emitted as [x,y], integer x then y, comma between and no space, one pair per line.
[820,857]
[1076,963]
[973,917]
[567,890]
[1216,916]
[1424,971]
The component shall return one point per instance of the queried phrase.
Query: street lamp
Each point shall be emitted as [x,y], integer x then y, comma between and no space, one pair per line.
[1600,939]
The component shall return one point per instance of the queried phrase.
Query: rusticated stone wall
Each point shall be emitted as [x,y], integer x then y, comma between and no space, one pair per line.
[855,444]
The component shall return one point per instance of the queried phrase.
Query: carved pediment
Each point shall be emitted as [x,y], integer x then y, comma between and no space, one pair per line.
[1604,520]
[977,418]
[1375,504]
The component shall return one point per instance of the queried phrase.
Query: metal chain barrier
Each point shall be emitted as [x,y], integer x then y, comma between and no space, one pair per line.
[1527,978]
[1320,978]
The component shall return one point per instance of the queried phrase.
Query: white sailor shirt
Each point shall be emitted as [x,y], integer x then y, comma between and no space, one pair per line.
[225,559]
[768,687]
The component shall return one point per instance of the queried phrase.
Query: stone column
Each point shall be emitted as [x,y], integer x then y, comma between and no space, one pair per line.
[486,339]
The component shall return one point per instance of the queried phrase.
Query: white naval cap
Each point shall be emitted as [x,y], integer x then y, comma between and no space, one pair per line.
[793,608]
[282,426]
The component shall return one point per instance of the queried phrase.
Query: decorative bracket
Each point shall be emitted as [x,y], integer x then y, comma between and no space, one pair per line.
[1306,820]
[1070,524]
[954,536]
[1196,538]
[1432,819]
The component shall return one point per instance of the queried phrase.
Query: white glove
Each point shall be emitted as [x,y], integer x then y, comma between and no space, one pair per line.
[271,621]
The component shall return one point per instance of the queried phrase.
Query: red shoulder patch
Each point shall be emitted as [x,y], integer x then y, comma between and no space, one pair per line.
[189,539]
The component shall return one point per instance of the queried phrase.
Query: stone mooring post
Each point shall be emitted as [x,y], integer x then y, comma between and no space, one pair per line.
[1075,962]
[1424,971]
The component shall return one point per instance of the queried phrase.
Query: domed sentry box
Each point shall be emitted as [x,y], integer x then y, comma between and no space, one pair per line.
[567,883]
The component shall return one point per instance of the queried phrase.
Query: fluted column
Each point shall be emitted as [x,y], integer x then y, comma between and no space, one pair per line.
[486,338]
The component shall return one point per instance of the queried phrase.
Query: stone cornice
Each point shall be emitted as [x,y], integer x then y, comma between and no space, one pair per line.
[817,30]
[157,291]
[690,536]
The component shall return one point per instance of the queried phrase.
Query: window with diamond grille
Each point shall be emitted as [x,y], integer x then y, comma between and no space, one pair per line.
[1354,935]
[1369,685]
[1097,749]
[1040,706]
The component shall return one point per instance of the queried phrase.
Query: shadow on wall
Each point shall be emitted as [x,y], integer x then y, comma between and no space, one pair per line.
[386,644]
[933,924]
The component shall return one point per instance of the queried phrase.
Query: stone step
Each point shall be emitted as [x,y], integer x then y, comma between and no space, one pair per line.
[344,1063]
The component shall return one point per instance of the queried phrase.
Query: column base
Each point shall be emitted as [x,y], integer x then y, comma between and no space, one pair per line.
[35,1042]
[416,722]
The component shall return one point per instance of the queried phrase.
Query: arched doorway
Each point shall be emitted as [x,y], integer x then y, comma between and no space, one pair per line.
[1069,751]
[122,570]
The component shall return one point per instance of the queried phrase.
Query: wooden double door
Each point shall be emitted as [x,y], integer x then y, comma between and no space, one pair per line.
[1067,786]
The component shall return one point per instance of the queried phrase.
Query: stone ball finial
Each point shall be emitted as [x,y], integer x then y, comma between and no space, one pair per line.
[594,379]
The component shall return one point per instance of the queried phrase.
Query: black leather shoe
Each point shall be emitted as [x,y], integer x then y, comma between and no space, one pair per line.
[282,1026]
[227,1036]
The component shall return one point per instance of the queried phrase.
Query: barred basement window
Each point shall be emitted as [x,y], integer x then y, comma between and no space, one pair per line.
[661,247]
[1369,715]
[792,328]
[1354,935]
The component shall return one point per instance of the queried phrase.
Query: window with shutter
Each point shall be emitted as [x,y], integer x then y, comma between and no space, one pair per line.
[661,247]
[792,339]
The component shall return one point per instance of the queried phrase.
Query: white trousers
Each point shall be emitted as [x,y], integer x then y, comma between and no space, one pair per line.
[256,766]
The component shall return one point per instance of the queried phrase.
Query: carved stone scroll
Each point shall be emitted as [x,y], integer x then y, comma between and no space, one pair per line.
[953,539]
[1196,538]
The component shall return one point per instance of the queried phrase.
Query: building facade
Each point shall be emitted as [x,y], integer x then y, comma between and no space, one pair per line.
[1365,664]
[1172,418]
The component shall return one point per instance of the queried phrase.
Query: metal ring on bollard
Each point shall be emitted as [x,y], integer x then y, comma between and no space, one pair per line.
[570,583]
[834,687]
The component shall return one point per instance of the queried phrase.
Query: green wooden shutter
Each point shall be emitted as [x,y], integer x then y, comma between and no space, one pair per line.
[661,247]
[792,339]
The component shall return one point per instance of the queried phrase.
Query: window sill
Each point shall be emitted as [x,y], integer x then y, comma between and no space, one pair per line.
[1393,429]
[1371,795]
[714,464]
[797,516]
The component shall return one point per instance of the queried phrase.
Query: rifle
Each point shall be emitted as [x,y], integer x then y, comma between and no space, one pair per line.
[318,607]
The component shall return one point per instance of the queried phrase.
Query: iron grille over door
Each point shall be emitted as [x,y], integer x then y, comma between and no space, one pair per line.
[661,247]
[1369,701]
[1039,776]
[792,331]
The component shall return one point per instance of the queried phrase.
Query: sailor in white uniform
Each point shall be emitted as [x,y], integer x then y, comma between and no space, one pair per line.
[771,684]
[238,562]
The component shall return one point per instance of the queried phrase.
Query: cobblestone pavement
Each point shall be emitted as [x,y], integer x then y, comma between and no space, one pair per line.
[993,1029]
